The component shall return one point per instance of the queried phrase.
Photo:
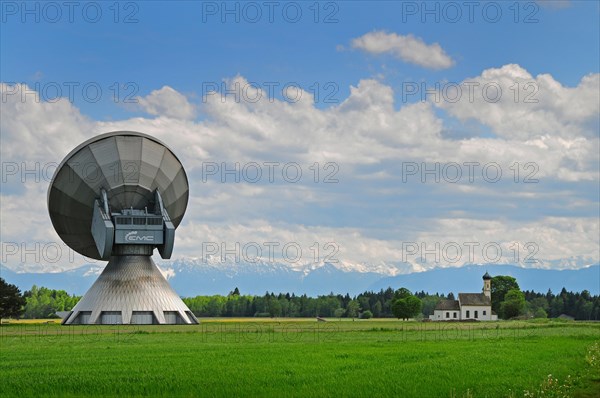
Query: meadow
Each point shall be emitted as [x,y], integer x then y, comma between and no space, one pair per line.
[302,357]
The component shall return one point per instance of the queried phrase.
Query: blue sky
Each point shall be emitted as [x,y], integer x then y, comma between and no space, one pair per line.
[187,45]
[362,57]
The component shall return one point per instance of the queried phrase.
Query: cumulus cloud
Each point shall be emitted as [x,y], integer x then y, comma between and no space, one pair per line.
[550,242]
[408,48]
[518,106]
[38,131]
[167,102]
[366,135]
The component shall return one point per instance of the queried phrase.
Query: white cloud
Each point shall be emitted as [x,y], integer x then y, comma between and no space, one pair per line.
[366,135]
[38,131]
[408,48]
[547,242]
[349,246]
[366,128]
[167,102]
[518,106]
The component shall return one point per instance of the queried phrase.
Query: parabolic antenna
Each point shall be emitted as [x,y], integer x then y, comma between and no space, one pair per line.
[129,167]
[117,197]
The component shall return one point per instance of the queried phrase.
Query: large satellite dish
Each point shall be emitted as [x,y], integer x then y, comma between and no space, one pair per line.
[129,166]
[117,197]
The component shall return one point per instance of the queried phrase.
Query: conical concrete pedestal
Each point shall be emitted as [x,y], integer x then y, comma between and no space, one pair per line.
[130,290]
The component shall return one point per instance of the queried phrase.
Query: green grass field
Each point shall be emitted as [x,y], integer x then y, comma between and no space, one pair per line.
[257,357]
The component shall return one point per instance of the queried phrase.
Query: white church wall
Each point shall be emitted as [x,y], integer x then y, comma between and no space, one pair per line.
[445,315]
[480,312]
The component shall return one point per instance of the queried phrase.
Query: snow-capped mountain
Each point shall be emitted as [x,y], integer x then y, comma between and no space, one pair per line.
[191,277]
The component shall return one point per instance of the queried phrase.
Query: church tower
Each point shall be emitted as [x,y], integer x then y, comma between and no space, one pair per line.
[487,285]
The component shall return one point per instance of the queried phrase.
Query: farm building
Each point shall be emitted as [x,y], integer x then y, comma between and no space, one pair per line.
[473,306]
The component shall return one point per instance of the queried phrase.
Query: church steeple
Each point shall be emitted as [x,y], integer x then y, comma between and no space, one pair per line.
[487,285]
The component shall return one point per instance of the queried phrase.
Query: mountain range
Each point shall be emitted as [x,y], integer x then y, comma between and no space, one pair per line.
[192,277]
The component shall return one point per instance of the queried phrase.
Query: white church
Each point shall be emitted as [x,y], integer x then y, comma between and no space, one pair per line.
[469,306]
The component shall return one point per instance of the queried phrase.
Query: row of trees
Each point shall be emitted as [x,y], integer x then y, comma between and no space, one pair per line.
[508,301]
[581,306]
[41,302]
[37,303]
[400,303]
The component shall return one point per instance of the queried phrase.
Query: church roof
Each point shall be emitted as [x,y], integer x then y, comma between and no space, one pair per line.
[474,299]
[486,276]
[450,305]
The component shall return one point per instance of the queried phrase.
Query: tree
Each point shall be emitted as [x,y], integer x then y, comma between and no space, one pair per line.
[429,303]
[363,302]
[215,306]
[352,309]
[501,284]
[41,302]
[540,313]
[513,304]
[405,305]
[539,302]
[339,312]
[377,309]
[584,310]
[11,300]
[556,307]
[366,314]
[274,307]
[402,293]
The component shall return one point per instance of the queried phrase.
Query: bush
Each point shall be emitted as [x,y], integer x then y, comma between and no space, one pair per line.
[540,313]
[366,315]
